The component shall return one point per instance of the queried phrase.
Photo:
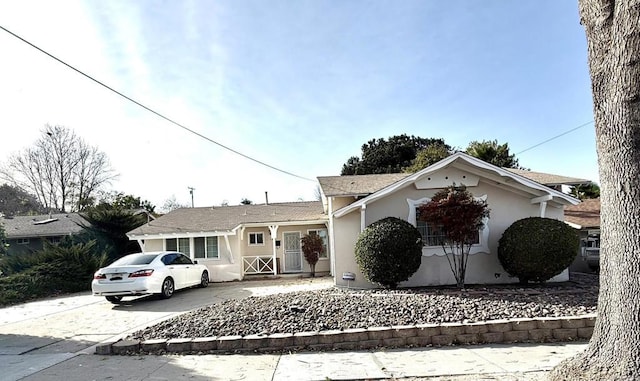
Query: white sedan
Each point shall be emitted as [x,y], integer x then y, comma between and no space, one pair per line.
[158,273]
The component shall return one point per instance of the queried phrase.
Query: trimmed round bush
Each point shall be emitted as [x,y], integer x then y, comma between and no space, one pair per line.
[537,249]
[389,251]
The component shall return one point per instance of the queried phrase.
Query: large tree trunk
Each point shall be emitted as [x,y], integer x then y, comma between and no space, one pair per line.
[613,36]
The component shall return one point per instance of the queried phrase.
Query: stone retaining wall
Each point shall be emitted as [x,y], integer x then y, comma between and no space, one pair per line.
[538,330]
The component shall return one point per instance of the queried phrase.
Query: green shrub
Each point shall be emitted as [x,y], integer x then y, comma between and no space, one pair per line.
[54,270]
[389,251]
[537,249]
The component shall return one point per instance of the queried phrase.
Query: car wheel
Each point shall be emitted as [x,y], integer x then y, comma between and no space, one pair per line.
[167,288]
[204,279]
[114,299]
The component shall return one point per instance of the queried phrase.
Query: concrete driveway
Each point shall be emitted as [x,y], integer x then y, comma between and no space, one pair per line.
[38,335]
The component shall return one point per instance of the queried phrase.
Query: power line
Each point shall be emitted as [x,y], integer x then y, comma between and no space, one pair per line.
[555,137]
[153,111]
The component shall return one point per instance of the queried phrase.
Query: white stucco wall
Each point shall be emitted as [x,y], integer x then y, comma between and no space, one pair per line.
[506,207]
[224,269]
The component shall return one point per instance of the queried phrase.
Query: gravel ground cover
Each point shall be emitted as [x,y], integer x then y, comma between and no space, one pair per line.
[336,309]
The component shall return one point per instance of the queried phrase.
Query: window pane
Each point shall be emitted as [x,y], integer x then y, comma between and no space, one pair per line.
[433,235]
[256,239]
[171,244]
[212,247]
[198,247]
[183,245]
[325,241]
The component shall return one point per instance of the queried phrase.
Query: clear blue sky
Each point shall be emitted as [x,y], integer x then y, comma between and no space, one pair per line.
[300,85]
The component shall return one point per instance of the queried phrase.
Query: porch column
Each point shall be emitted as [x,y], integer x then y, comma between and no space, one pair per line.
[141,243]
[543,208]
[363,217]
[273,229]
[332,247]
[542,200]
[226,241]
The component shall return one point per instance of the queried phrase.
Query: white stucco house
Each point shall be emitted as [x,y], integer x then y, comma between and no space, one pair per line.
[354,202]
[236,242]
[240,241]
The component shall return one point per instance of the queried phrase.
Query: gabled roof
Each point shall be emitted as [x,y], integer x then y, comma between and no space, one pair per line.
[548,178]
[584,215]
[224,219]
[357,185]
[44,225]
[468,163]
[364,185]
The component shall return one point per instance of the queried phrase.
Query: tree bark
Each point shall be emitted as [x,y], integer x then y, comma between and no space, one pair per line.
[613,37]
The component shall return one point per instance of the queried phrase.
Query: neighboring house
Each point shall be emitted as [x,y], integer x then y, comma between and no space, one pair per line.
[26,233]
[554,181]
[585,217]
[239,241]
[354,202]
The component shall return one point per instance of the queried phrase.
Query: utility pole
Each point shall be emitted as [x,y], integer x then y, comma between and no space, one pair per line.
[191,189]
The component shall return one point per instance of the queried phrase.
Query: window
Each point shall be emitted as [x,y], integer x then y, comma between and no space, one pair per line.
[22,241]
[171,244]
[433,235]
[325,240]
[206,247]
[183,245]
[432,239]
[180,244]
[256,239]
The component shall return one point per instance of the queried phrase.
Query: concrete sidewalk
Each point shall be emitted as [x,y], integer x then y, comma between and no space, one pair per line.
[482,362]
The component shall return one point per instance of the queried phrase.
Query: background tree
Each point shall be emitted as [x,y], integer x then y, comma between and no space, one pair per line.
[60,169]
[493,153]
[583,192]
[458,216]
[613,40]
[14,201]
[171,204]
[3,243]
[128,202]
[387,156]
[246,201]
[431,154]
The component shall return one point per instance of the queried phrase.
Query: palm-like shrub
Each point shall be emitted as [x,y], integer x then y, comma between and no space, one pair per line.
[537,249]
[389,251]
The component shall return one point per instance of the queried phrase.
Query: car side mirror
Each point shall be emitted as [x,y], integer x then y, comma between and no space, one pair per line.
[195,261]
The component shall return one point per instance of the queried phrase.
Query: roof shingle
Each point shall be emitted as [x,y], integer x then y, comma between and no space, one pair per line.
[226,218]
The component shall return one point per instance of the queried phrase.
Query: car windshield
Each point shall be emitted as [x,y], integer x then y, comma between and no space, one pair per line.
[135,260]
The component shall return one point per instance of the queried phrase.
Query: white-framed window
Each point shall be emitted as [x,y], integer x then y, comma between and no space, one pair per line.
[206,247]
[432,235]
[22,241]
[256,239]
[181,245]
[325,241]
[432,239]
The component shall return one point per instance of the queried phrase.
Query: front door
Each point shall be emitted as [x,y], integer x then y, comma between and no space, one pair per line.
[292,252]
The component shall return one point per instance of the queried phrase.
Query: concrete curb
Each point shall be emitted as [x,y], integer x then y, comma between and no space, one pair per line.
[536,330]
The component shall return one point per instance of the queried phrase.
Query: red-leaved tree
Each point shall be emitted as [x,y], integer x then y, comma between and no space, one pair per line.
[457,216]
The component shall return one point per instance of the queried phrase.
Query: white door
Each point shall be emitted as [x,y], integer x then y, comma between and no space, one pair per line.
[292,252]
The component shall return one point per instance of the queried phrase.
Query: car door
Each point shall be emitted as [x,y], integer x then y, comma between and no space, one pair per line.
[173,262]
[191,271]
